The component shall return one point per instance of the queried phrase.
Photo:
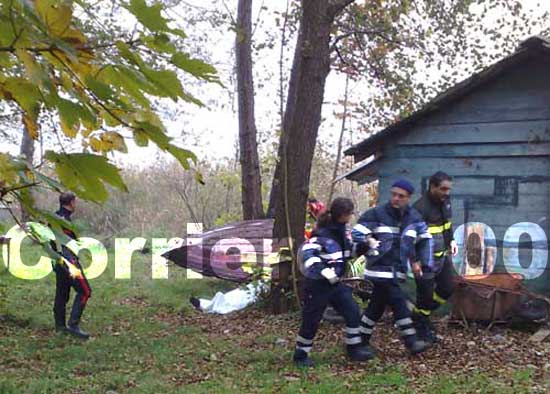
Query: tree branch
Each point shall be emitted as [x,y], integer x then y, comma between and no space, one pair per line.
[335,6]
[346,62]
[3,192]
[50,48]
[351,33]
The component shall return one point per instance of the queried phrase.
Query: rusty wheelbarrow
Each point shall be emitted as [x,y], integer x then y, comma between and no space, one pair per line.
[493,298]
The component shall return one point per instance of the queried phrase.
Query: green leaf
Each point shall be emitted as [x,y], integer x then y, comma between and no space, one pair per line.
[167,81]
[7,35]
[86,174]
[123,77]
[5,60]
[149,17]
[69,113]
[140,138]
[182,155]
[24,93]
[195,67]
[160,43]
[100,89]
[126,53]
[199,178]
[52,183]
[57,225]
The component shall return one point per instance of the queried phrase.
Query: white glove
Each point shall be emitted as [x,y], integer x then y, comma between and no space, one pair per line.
[373,246]
[330,275]
[454,248]
[373,243]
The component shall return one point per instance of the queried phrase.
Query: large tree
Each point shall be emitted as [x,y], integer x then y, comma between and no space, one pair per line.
[248,145]
[302,118]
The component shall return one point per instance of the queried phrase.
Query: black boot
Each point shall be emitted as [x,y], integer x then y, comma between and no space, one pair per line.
[432,335]
[77,332]
[301,359]
[60,328]
[424,328]
[415,345]
[360,352]
[421,326]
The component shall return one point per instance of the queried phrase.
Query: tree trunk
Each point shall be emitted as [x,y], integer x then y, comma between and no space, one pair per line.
[250,163]
[340,142]
[297,143]
[27,150]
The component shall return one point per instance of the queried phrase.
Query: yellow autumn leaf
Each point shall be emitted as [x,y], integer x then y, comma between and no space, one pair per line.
[32,67]
[75,37]
[69,131]
[86,132]
[66,81]
[96,144]
[55,15]
[31,126]
[8,174]
[114,140]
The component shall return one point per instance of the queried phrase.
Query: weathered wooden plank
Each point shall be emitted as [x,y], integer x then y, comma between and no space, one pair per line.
[522,93]
[535,188]
[499,112]
[367,174]
[507,167]
[495,132]
[468,150]
[504,217]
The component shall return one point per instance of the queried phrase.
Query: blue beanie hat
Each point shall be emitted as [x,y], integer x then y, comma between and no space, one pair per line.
[404,184]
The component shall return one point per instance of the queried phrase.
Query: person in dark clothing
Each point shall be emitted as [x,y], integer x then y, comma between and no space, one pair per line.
[396,228]
[433,289]
[323,259]
[69,273]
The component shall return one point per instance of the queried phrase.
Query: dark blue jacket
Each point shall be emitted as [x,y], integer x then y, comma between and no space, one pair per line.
[329,247]
[438,216]
[64,213]
[398,233]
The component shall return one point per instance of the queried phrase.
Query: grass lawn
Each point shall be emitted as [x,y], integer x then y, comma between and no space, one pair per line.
[148,339]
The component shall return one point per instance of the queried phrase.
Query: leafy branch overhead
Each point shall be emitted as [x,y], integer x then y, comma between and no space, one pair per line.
[96,85]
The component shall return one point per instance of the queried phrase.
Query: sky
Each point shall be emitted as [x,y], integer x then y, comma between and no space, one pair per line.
[212,131]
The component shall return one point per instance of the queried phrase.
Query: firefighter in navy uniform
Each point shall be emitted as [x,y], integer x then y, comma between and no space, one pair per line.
[434,288]
[323,259]
[393,228]
[67,278]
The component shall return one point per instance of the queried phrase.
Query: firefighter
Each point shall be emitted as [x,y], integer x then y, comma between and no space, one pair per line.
[69,274]
[434,288]
[393,228]
[324,258]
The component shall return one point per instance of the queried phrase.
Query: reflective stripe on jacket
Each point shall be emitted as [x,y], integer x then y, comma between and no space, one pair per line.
[399,233]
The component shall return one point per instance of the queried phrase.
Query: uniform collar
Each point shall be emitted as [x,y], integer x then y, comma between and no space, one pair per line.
[434,201]
[333,226]
[64,212]
[396,212]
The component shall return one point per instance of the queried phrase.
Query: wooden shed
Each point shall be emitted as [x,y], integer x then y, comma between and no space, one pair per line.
[490,132]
